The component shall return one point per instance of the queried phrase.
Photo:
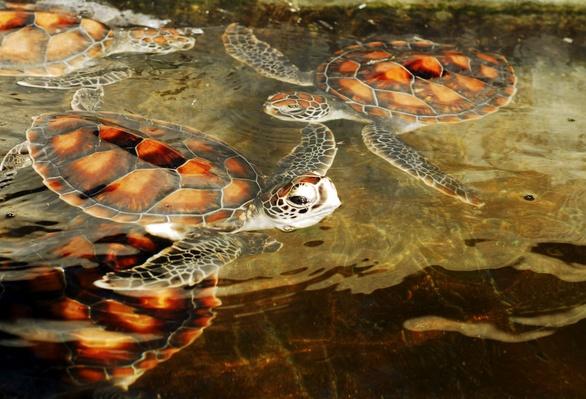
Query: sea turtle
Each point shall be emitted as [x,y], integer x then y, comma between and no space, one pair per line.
[101,11]
[393,86]
[62,334]
[55,49]
[179,183]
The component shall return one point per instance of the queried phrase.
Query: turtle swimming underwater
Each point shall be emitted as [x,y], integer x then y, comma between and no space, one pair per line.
[55,49]
[394,86]
[179,183]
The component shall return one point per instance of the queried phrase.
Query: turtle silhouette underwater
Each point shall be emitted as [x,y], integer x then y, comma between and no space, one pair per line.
[180,184]
[60,50]
[393,86]
[63,335]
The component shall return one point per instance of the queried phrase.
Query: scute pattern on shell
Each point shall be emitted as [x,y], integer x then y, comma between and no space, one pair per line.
[45,43]
[418,81]
[133,170]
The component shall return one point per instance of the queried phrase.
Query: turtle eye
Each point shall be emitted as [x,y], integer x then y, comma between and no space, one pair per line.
[302,195]
[299,199]
[292,107]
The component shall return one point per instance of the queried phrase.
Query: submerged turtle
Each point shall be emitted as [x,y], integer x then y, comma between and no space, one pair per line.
[179,183]
[55,49]
[62,334]
[394,86]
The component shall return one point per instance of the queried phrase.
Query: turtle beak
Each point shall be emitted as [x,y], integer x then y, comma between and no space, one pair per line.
[273,111]
[269,109]
[329,195]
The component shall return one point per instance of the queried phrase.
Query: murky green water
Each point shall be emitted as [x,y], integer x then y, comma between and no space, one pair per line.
[402,293]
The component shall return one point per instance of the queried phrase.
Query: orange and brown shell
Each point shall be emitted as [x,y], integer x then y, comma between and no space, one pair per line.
[418,81]
[68,332]
[134,170]
[42,43]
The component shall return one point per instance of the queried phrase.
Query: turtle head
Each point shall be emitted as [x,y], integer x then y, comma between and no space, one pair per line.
[300,202]
[151,40]
[300,106]
[293,203]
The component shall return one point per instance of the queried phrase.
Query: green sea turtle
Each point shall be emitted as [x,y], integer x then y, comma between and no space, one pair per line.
[178,182]
[393,86]
[56,49]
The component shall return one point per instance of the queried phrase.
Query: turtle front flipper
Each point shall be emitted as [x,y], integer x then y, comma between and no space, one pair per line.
[88,99]
[241,44]
[382,141]
[17,158]
[189,261]
[102,74]
[299,194]
[314,155]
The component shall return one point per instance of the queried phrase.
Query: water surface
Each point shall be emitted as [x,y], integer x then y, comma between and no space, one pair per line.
[402,292]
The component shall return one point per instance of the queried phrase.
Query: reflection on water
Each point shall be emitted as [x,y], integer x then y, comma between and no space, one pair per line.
[60,333]
[402,292]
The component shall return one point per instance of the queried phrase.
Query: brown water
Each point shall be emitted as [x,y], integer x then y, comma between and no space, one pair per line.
[402,293]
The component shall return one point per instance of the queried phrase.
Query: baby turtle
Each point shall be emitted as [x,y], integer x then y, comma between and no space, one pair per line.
[393,86]
[179,183]
[55,49]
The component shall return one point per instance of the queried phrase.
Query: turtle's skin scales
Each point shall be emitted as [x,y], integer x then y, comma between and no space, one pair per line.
[134,170]
[418,81]
[49,43]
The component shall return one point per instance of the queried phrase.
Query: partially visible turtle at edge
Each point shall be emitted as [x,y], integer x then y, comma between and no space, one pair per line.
[59,50]
[393,86]
[180,184]
[101,11]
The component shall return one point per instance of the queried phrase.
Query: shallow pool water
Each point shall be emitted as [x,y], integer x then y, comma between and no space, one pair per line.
[401,293]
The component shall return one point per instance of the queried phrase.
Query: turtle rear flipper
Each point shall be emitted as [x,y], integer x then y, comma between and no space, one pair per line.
[241,44]
[189,261]
[17,158]
[382,141]
[98,75]
[88,99]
